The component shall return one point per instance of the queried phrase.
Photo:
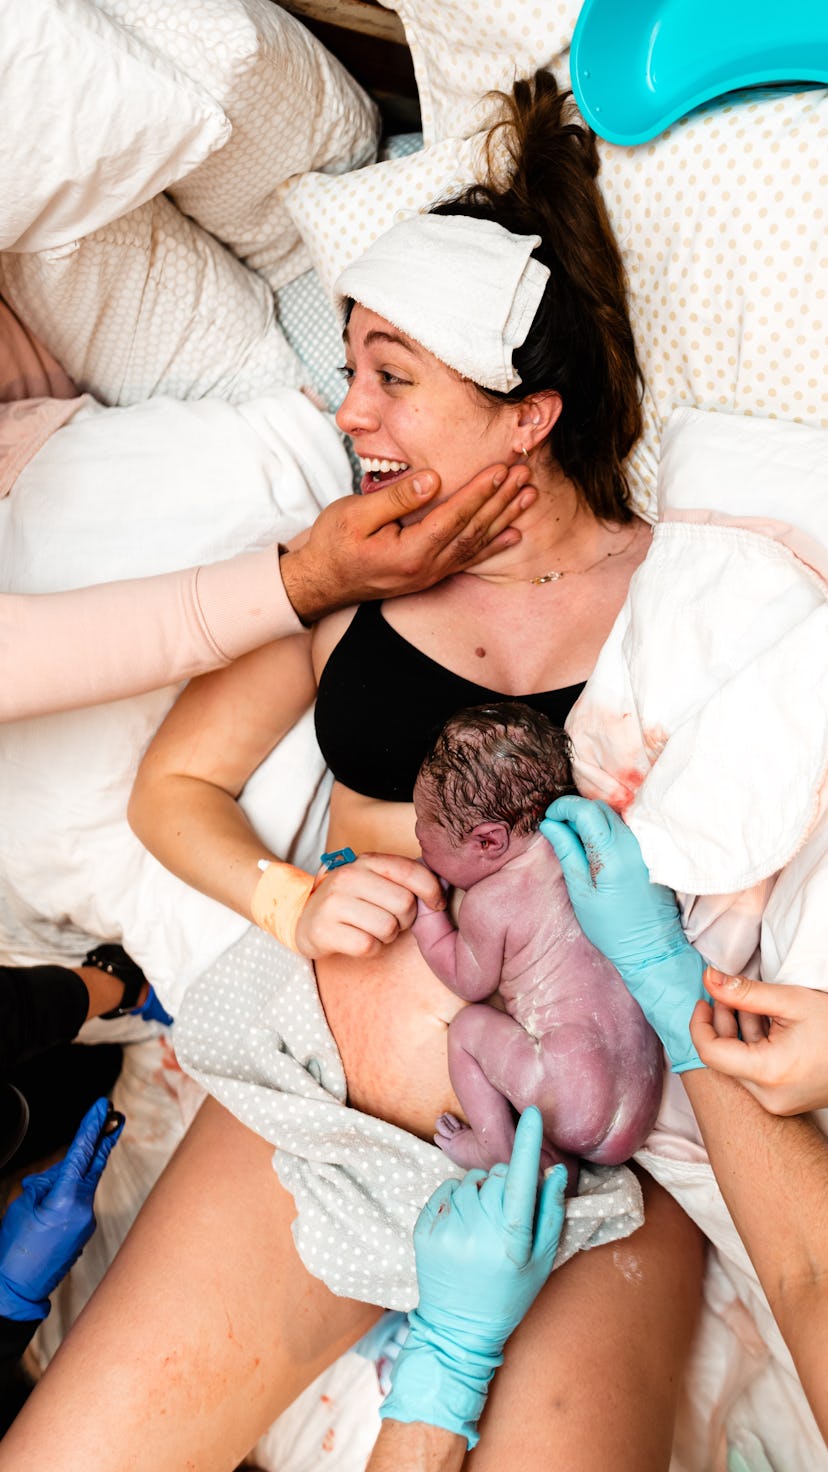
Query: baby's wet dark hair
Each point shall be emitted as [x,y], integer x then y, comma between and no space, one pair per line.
[500,763]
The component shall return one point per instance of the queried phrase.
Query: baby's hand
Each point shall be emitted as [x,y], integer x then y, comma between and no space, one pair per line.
[361,907]
[423,908]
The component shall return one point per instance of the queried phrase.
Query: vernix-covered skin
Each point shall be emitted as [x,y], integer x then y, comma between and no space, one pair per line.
[571,1041]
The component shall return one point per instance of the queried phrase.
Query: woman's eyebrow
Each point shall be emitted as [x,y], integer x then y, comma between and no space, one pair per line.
[377,335]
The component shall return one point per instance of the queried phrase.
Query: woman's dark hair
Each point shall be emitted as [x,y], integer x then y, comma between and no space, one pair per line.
[581,341]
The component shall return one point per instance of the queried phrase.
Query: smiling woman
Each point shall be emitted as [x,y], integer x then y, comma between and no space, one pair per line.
[391,380]
[493,330]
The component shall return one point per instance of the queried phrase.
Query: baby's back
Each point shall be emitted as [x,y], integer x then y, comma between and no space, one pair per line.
[555,982]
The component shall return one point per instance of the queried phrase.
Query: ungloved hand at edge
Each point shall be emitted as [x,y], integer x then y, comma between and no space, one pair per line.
[46,1228]
[634,922]
[483,1253]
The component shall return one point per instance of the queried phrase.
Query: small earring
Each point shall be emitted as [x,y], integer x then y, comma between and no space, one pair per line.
[525,453]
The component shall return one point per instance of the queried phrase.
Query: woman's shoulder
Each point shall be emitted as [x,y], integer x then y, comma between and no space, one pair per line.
[327,634]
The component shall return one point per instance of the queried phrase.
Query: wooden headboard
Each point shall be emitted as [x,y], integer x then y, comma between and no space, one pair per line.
[370,41]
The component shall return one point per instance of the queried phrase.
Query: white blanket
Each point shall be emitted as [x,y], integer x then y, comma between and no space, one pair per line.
[706,723]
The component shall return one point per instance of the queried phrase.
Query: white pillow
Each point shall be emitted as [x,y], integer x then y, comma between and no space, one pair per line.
[292,106]
[93,122]
[759,471]
[339,217]
[152,304]
[120,493]
[462,51]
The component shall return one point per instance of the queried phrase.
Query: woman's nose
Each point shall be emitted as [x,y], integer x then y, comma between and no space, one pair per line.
[357,414]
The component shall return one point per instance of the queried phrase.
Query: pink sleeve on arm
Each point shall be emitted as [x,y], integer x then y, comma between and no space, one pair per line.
[27,368]
[61,650]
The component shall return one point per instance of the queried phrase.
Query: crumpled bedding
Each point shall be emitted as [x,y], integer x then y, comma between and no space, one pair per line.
[116,493]
[706,723]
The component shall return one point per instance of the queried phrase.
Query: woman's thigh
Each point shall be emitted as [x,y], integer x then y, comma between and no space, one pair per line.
[592,1377]
[205,1327]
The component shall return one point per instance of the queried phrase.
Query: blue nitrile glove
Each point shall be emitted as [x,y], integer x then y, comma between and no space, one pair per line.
[635,923]
[45,1230]
[152,1011]
[483,1254]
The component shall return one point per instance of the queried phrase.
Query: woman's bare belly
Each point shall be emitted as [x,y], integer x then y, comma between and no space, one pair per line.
[390,1014]
[390,1017]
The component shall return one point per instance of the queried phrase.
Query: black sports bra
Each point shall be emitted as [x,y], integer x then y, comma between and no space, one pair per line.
[381,703]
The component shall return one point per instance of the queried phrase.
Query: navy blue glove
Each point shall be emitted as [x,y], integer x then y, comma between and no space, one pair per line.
[45,1230]
[634,922]
[152,1011]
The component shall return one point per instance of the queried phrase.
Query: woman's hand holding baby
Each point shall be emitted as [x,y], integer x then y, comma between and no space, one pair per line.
[359,908]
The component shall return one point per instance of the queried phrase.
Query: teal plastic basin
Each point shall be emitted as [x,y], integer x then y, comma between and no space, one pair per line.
[639,65]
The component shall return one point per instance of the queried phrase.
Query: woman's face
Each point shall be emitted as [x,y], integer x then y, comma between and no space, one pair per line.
[405,410]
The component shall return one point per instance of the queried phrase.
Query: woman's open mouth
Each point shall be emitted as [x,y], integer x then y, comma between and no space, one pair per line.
[376,473]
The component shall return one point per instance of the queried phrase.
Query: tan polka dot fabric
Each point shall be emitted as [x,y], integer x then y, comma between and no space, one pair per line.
[722,226]
[292,107]
[152,304]
[723,222]
[464,48]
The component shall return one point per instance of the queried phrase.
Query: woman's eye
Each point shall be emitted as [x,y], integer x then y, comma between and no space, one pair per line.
[345,372]
[390,377]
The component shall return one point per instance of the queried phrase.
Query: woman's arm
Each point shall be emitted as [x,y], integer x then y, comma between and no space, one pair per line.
[63,650]
[184,808]
[773,1174]
[184,804]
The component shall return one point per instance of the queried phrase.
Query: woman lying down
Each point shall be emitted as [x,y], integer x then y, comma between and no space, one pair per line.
[494,329]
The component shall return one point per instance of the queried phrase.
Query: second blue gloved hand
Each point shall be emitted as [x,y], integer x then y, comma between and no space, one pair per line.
[484,1247]
[152,1011]
[45,1230]
[634,922]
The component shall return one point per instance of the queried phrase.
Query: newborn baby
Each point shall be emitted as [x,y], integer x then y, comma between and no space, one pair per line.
[571,1039]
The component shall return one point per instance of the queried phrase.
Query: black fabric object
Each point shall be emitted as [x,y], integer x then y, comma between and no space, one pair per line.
[381,703]
[59,1086]
[42,1008]
[14,1336]
[15,1385]
[39,1006]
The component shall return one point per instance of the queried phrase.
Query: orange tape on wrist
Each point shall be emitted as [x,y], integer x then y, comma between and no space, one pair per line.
[279,899]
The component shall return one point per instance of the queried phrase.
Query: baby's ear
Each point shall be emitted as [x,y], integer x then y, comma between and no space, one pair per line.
[492,839]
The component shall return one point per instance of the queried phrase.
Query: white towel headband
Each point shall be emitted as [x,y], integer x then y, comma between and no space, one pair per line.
[466,289]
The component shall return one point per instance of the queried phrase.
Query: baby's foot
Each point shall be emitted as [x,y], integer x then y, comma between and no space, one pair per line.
[550,1156]
[460,1143]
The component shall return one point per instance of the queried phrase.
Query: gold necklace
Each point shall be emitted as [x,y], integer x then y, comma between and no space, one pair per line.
[554,577]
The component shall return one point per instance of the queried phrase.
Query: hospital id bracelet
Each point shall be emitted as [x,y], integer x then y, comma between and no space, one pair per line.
[279,898]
